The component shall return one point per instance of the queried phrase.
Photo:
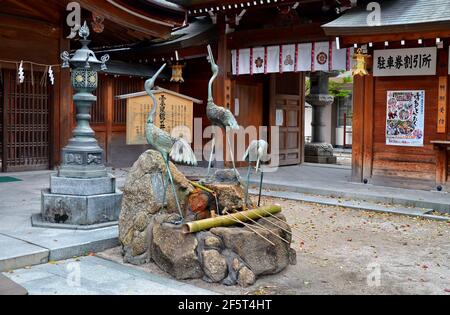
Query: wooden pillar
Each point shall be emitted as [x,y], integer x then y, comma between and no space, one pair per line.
[358,128]
[109,112]
[368,126]
[63,113]
[222,91]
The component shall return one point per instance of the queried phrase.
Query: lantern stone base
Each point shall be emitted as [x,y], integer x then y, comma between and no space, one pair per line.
[321,153]
[76,201]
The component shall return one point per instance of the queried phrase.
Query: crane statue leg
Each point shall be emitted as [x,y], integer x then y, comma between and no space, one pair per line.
[166,160]
[248,183]
[260,188]
[211,154]
[232,156]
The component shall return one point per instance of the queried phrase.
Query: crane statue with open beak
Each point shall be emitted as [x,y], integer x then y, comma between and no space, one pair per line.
[177,148]
[219,116]
[256,152]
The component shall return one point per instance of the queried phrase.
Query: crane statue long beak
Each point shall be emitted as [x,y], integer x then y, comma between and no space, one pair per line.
[210,55]
[155,76]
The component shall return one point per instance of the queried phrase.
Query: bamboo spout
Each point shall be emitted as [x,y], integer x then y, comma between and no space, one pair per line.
[228,220]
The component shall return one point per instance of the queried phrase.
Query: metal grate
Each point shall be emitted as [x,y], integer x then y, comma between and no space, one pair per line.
[26,119]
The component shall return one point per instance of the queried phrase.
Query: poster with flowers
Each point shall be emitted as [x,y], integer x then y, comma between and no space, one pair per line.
[405,118]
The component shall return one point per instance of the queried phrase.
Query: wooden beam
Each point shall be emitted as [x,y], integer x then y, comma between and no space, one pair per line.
[136,22]
[349,40]
[284,35]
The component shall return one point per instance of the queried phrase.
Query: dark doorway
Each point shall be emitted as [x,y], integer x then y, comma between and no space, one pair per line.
[287,103]
[24,132]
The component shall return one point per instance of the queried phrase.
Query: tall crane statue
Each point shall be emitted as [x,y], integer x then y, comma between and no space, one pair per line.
[218,116]
[256,152]
[177,148]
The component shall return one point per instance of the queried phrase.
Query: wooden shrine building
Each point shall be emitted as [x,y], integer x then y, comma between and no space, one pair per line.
[36,115]
[400,121]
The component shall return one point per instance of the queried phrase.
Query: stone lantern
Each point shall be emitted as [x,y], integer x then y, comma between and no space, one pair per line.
[82,193]
[320,150]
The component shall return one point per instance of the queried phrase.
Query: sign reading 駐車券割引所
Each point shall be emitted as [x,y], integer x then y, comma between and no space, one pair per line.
[405,62]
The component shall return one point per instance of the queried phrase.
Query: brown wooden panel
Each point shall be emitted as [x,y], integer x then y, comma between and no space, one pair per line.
[398,161]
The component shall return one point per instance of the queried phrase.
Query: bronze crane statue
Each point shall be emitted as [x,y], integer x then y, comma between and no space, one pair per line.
[218,116]
[177,148]
[256,152]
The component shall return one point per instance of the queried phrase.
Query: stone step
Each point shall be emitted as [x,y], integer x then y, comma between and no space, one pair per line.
[8,287]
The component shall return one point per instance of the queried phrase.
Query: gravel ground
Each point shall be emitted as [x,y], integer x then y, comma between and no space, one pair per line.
[344,251]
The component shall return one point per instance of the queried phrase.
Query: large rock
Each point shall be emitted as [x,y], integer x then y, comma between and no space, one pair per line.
[142,198]
[259,255]
[214,265]
[173,251]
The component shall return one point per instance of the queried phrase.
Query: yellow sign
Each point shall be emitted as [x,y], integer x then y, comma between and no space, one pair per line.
[442,105]
[174,111]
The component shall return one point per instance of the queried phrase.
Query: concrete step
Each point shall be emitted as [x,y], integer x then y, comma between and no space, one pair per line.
[15,253]
[34,246]
[354,204]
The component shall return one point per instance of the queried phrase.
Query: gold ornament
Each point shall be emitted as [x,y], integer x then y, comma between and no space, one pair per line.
[177,73]
[360,67]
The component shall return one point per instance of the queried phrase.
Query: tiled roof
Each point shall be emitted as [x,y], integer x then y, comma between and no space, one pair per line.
[395,15]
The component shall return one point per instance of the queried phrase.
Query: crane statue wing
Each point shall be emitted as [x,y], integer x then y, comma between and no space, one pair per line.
[182,152]
[222,117]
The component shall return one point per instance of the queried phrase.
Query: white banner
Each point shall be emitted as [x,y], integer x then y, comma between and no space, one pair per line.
[405,62]
[291,58]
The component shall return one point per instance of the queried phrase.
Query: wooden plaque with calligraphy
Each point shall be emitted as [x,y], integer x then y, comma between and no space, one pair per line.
[442,105]
[174,111]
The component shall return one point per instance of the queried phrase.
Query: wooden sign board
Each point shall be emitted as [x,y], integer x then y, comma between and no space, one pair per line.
[442,105]
[405,62]
[174,111]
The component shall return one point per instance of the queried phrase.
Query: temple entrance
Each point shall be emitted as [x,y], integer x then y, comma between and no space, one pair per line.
[287,104]
[24,123]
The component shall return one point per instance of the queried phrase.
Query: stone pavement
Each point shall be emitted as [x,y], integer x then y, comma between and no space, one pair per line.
[22,245]
[96,276]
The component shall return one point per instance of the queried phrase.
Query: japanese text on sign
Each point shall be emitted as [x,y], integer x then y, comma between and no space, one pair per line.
[404,62]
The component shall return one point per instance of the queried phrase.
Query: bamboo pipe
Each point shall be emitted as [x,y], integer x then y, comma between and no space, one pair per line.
[228,220]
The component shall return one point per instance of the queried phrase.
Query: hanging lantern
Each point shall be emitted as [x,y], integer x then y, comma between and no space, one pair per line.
[360,67]
[177,73]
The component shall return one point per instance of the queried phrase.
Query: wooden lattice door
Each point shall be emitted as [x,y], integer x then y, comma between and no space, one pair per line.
[287,111]
[26,123]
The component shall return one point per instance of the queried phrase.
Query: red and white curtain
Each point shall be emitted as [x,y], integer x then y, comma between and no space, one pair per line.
[317,56]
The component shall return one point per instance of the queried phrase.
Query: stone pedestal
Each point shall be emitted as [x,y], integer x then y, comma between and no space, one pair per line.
[319,151]
[78,201]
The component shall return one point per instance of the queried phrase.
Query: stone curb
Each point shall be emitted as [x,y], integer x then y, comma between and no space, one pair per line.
[375,198]
[356,205]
